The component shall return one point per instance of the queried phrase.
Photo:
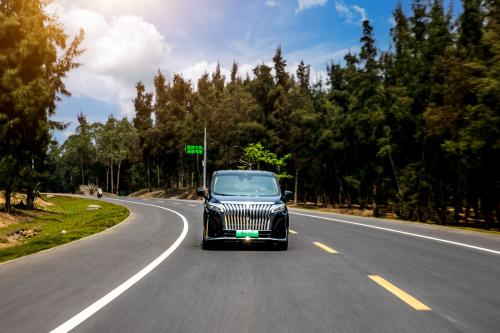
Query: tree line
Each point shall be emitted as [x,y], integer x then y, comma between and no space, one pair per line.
[413,130]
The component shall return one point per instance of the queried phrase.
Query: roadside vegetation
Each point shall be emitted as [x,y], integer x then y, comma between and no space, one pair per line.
[26,232]
[474,225]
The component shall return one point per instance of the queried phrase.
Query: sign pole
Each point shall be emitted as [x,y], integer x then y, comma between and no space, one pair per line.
[205,159]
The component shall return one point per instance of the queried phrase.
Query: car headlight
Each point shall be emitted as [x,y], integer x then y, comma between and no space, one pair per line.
[216,207]
[278,208]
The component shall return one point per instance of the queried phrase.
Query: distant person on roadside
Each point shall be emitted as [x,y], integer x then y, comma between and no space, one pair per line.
[99,192]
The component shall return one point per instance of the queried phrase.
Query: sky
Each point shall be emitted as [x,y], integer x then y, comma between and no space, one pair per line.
[127,41]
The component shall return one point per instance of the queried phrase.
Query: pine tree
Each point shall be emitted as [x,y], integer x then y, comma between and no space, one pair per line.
[304,76]
[144,125]
[281,75]
[234,72]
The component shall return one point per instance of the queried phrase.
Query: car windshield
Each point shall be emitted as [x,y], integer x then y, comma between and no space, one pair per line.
[245,185]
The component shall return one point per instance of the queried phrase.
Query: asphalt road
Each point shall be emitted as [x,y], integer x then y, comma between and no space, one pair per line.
[453,283]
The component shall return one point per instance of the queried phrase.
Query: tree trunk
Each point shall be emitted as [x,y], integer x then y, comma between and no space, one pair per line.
[341,189]
[107,179]
[348,197]
[149,174]
[30,199]
[456,198]
[112,182]
[296,185]
[118,178]
[476,207]
[419,191]
[467,198]
[8,192]
[375,208]
[436,203]
[158,168]
[396,177]
[83,176]
[362,199]
[340,196]
[442,218]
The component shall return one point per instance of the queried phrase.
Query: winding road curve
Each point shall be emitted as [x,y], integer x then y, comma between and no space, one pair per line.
[341,274]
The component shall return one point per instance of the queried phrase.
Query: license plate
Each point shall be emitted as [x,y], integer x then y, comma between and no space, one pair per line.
[247,233]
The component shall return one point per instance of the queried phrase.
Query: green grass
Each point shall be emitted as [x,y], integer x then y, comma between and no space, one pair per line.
[68,214]
[494,232]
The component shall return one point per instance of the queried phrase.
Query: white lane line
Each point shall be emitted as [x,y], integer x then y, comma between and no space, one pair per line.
[80,317]
[402,232]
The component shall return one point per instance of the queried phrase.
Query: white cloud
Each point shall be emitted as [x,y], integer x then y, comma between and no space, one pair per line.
[341,9]
[271,3]
[110,7]
[306,4]
[195,71]
[391,21]
[353,15]
[120,52]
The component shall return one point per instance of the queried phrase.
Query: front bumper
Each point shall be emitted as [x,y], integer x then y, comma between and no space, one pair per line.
[239,239]
[214,229]
[264,236]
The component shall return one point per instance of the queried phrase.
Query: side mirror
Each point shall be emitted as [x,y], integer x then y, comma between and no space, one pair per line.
[201,193]
[288,195]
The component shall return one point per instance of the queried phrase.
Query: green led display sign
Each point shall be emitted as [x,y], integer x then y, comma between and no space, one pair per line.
[192,149]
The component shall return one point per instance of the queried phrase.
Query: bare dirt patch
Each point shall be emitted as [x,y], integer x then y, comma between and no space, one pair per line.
[172,194]
[19,216]
[354,210]
[8,219]
[17,198]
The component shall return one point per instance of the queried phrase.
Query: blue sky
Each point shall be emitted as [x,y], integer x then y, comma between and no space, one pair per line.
[128,40]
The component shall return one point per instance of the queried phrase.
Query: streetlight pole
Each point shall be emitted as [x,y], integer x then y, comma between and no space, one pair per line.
[205,159]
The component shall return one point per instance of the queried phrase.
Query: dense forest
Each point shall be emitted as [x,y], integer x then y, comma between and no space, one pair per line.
[414,130]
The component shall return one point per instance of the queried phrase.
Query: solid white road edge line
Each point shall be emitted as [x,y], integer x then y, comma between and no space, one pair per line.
[89,311]
[402,232]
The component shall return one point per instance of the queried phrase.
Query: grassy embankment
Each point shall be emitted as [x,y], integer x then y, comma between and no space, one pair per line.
[67,213]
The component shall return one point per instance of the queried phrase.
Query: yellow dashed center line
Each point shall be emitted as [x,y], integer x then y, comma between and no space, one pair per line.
[401,294]
[293,232]
[192,205]
[145,199]
[161,201]
[176,203]
[324,247]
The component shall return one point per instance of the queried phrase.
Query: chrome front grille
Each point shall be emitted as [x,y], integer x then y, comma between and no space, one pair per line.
[247,216]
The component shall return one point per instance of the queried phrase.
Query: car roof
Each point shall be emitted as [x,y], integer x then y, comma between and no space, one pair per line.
[239,172]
